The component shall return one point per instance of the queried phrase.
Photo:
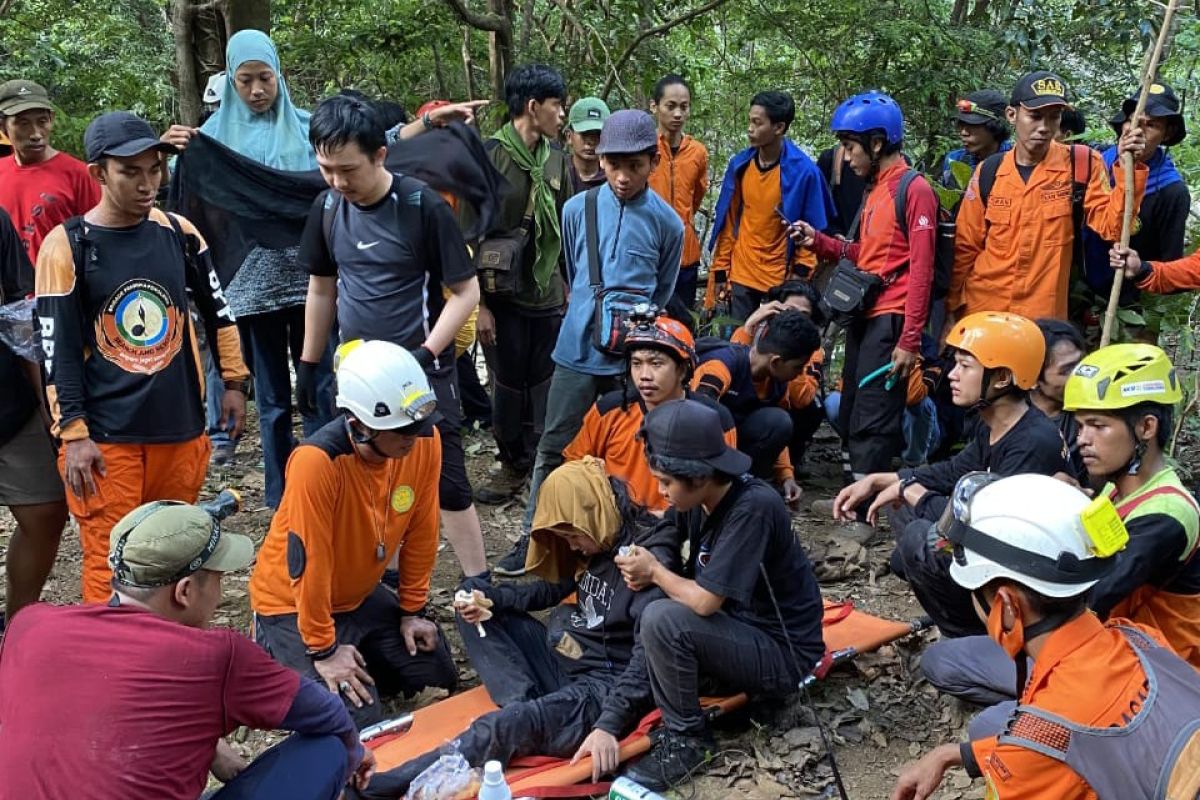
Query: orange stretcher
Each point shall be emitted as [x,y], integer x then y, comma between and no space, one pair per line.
[847,633]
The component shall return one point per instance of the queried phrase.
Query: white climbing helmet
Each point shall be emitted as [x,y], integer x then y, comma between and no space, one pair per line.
[1035,530]
[382,385]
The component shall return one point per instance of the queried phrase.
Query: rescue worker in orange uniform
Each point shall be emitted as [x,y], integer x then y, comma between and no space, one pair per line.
[1122,398]
[662,356]
[1108,711]
[758,384]
[766,187]
[1015,253]
[681,177]
[361,489]
[124,377]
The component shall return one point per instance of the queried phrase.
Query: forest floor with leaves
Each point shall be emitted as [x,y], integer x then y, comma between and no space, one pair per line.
[880,712]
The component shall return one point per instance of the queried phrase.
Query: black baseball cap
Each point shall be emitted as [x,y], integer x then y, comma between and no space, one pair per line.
[691,429]
[1038,90]
[121,134]
[1160,102]
[981,107]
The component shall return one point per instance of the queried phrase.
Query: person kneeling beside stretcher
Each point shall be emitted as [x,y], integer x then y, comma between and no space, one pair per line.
[573,686]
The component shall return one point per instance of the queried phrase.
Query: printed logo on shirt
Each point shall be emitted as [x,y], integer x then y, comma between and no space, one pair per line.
[595,596]
[140,329]
[365,245]
[998,767]
[402,499]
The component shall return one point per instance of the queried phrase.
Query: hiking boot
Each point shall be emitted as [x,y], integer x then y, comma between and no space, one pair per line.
[512,565]
[503,486]
[671,761]
[858,532]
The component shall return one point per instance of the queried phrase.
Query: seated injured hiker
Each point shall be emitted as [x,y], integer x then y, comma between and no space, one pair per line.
[131,699]
[1122,397]
[1108,710]
[362,488]
[757,383]
[661,356]
[997,360]
[744,615]
[573,686]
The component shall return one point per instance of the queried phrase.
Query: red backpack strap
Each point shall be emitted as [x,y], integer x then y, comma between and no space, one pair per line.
[1126,508]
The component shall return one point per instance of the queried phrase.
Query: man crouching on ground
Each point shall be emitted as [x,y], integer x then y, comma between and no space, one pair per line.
[746,612]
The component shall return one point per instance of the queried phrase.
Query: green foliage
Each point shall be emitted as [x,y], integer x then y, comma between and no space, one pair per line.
[92,56]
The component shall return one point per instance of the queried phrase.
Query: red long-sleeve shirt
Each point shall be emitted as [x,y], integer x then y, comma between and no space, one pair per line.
[883,249]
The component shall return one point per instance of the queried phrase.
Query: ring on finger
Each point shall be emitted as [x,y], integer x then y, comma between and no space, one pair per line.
[344,686]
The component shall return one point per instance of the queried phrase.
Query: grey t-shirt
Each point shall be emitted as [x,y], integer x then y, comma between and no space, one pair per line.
[391,260]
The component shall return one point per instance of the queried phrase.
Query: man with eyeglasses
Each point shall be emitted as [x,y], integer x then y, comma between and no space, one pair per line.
[131,699]
[362,488]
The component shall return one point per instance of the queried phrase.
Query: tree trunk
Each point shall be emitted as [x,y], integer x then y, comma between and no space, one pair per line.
[242,14]
[182,30]
[468,63]
[439,74]
[499,50]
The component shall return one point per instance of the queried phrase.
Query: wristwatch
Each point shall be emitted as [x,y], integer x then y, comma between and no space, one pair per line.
[904,484]
[238,386]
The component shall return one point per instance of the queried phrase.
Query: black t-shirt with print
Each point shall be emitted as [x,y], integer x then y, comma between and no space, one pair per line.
[17,398]
[391,260]
[750,530]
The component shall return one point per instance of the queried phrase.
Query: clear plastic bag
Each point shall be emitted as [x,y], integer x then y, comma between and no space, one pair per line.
[445,779]
[18,330]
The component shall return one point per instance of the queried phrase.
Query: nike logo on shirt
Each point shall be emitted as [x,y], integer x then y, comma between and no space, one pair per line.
[366,246]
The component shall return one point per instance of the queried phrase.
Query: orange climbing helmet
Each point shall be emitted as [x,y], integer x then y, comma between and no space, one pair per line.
[662,333]
[1000,339]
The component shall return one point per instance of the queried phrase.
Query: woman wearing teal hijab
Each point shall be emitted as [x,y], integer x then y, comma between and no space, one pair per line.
[257,119]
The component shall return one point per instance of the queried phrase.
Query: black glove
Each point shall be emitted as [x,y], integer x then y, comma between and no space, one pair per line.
[423,355]
[306,387]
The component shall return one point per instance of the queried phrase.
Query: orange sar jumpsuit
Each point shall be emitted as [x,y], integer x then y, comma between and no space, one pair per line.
[1016,254]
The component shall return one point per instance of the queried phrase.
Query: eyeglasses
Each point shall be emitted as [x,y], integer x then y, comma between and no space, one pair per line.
[971,107]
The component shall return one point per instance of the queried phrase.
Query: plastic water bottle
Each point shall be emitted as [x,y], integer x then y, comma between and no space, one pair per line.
[494,786]
[625,789]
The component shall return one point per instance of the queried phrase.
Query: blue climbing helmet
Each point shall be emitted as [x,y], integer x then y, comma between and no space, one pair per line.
[869,111]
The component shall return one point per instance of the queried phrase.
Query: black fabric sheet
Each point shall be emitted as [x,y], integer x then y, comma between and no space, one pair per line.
[238,203]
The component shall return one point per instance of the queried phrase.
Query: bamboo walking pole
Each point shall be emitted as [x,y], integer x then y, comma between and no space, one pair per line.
[1149,70]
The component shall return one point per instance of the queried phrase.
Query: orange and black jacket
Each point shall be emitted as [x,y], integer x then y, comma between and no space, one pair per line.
[338,524]
[724,376]
[120,347]
[1166,277]
[610,433]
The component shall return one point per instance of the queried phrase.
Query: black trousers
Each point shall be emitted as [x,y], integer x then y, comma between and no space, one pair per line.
[687,653]
[805,423]
[762,435]
[374,629]
[543,710]
[871,417]
[454,488]
[744,301]
[476,405]
[521,371]
[928,574]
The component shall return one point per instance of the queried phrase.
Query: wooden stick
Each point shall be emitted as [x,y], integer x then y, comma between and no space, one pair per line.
[1149,70]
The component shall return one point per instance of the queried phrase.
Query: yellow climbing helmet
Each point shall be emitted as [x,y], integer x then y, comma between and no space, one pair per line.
[1121,376]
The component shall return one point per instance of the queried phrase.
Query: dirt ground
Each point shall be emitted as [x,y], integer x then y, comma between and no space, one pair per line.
[881,713]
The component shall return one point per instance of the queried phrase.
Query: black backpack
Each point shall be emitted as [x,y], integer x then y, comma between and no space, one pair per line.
[943,250]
